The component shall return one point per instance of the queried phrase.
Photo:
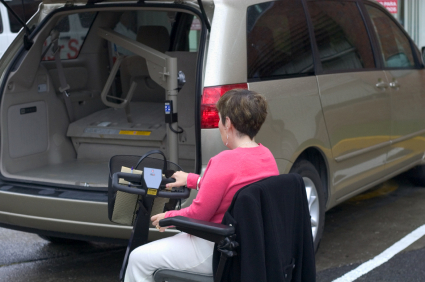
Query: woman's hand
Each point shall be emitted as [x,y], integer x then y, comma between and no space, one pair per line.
[181,179]
[155,221]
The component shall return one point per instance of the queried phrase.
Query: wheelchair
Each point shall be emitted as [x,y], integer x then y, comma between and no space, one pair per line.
[144,189]
[291,203]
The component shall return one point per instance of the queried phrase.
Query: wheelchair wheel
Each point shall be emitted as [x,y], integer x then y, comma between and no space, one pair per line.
[315,197]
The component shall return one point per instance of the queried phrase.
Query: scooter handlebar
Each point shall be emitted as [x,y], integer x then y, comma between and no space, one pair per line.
[175,193]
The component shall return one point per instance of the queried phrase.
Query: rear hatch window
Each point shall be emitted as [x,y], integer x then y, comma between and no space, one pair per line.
[73,30]
[24,9]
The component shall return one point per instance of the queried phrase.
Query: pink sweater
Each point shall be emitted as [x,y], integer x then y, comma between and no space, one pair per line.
[226,173]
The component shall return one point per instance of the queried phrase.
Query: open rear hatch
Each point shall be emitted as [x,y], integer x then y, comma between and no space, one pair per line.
[102,80]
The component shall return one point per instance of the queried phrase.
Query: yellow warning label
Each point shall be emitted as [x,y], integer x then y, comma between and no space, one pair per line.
[152,192]
[136,132]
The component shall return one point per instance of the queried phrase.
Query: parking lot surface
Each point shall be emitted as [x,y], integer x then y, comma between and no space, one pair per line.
[356,232]
[365,226]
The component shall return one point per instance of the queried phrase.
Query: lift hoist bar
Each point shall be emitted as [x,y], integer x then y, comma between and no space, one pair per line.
[162,69]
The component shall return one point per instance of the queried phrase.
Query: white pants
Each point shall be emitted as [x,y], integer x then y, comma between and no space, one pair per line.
[179,252]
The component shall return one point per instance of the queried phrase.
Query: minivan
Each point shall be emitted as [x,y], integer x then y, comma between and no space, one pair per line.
[345,86]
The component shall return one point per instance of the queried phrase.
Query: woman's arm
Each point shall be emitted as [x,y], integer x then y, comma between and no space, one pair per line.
[155,221]
[184,179]
[212,187]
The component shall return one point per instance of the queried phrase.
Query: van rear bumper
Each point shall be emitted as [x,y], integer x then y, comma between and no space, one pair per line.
[67,218]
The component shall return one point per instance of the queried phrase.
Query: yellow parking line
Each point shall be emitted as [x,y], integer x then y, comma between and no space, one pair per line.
[384,189]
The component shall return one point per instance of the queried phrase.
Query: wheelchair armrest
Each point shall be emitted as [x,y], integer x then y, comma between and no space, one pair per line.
[210,231]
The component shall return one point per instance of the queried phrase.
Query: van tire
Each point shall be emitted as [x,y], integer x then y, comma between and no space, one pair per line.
[416,175]
[315,195]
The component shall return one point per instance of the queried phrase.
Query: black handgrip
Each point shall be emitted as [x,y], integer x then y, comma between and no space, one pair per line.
[167,180]
[128,177]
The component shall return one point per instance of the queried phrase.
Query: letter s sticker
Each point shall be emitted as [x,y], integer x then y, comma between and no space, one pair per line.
[73,47]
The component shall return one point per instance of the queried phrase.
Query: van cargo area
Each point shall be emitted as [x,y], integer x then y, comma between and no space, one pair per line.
[128,73]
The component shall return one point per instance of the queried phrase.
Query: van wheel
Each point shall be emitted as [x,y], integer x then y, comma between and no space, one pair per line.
[315,197]
[416,175]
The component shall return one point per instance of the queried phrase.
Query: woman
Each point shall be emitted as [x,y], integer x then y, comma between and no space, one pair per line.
[242,112]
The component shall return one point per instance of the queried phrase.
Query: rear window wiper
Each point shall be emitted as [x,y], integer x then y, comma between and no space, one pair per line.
[27,42]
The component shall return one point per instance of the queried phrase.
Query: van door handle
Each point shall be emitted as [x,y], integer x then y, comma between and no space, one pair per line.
[65,37]
[395,84]
[382,85]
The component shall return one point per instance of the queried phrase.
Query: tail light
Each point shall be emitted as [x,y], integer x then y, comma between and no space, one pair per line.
[210,97]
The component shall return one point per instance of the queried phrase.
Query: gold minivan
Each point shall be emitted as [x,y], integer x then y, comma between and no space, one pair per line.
[344,82]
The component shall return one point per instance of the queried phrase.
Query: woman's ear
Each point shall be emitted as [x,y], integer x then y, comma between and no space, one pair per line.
[228,123]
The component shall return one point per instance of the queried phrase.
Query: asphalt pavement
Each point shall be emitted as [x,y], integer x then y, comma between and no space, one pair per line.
[356,232]
[27,257]
[365,226]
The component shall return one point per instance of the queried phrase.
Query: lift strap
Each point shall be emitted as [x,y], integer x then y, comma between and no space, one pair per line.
[64,87]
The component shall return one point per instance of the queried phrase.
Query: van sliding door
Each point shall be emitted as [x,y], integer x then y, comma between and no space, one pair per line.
[406,87]
[280,66]
[355,102]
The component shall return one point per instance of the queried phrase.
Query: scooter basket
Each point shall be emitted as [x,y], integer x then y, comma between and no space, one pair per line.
[123,206]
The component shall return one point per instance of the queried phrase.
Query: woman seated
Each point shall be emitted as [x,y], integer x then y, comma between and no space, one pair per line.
[242,112]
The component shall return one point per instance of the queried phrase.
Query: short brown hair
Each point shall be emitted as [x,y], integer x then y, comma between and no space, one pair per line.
[247,110]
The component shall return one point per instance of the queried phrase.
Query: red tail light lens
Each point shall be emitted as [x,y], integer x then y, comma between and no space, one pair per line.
[210,97]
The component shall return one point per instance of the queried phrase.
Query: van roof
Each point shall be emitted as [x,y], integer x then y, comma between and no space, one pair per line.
[124,1]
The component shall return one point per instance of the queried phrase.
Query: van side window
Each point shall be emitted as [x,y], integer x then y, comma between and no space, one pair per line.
[73,30]
[395,47]
[194,34]
[63,25]
[86,19]
[278,41]
[186,33]
[1,24]
[26,12]
[341,36]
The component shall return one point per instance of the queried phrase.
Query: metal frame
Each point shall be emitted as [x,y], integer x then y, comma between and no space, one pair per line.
[162,69]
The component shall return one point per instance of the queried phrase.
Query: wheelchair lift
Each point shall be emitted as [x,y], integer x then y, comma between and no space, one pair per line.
[162,69]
